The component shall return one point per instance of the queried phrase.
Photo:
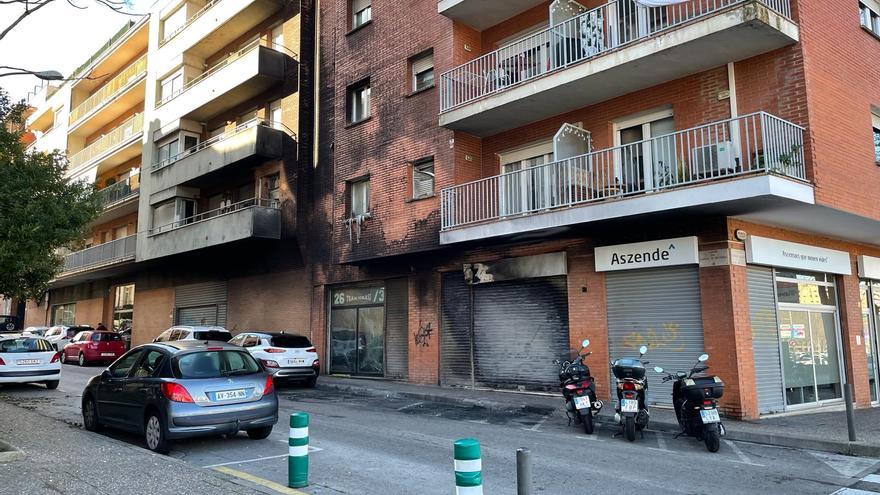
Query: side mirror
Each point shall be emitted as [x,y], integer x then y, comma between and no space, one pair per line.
[658,369]
[105,375]
[643,350]
[703,358]
[585,343]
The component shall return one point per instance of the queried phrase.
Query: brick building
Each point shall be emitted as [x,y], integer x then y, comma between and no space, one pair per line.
[694,177]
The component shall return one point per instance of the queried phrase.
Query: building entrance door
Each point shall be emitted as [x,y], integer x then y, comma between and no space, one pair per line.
[357,331]
[870,303]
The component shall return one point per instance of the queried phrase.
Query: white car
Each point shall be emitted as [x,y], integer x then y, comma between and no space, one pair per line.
[60,335]
[286,356]
[29,360]
[182,332]
[35,331]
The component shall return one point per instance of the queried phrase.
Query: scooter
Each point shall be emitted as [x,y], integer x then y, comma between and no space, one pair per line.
[632,388]
[694,399]
[579,390]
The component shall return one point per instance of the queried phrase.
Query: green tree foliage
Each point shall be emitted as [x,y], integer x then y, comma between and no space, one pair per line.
[40,210]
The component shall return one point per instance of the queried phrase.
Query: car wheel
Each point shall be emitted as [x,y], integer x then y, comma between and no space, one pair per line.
[259,433]
[154,433]
[51,384]
[90,415]
[82,359]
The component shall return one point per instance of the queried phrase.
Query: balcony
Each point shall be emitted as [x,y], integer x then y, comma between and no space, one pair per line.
[725,167]
[100,256]
[603,53]
[119,94]
[238,78]
[482,14]
[249,219]
[246,143]
[217,24]
[118,146]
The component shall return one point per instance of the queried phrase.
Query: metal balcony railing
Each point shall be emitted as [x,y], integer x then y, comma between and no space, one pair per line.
[107,92]
[591,34]
[128,129]
[757,143]
[217,212]
[103,254]
[119,191]
[167,36]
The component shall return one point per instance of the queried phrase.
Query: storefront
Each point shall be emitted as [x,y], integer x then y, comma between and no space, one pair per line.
[794,313]
[504,322]
[653,299]
[869,273]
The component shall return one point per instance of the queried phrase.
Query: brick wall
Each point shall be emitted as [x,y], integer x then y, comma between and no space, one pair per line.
[90,311]
[588,316]
[106,229]
[35,316]
[270,302]
[423,300]
[153,314]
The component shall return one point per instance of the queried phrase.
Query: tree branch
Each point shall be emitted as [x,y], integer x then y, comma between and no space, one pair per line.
[32,6]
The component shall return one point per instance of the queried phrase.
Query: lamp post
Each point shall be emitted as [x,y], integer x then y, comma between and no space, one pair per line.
[46,75]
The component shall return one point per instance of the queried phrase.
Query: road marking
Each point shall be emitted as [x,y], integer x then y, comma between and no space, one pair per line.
[245,461]
[742,456]
[277,487]
[404,408]
[872,478]
[845,465]
[479,421]
[661,442]
[589,437]
[539,424]
[852,491]
[311,448]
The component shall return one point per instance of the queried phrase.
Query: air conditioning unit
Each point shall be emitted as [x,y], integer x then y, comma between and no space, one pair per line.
[714,159]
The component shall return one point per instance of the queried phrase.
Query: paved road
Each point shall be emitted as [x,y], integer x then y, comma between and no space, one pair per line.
[401,446]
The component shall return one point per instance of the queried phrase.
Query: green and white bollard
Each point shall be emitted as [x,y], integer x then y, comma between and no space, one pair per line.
[468,467]
[298,453]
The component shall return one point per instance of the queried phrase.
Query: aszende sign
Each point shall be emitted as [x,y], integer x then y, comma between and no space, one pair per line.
[650,254]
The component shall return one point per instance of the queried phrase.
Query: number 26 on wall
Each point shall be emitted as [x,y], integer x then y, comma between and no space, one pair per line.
[339,298]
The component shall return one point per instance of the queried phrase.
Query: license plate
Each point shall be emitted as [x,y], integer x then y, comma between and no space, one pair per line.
[582,402]
[710,416]
[108,353]
[296,361]
[26,362]
[230,394]
[629,405]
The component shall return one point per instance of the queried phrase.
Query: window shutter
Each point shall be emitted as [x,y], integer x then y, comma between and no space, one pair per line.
[359,5]
[423,180]
[422,63]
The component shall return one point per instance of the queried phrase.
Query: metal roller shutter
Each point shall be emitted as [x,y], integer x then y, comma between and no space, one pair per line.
[195,301]
[765,340]
[396,323]
[201,315]
[455,331]
[659,308]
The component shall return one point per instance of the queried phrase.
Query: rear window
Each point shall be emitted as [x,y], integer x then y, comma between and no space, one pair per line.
[290,341]
[212,335]
[106,337]
[214,364]
[24,345]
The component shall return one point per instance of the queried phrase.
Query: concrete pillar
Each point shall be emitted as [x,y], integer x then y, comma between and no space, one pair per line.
[587,316]
[852,337]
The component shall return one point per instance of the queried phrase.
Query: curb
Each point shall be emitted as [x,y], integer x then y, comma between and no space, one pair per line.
[861,449]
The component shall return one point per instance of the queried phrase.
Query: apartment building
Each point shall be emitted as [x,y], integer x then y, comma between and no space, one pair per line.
[498,180]
[200,121]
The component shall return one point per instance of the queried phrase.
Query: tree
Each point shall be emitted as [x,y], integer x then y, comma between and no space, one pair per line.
[30,7]
[40,209]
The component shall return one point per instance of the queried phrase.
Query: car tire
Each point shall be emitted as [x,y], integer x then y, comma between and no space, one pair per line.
[82,359]
[154,433]
[259,433]
[51,384]
[91,422]
[310,383]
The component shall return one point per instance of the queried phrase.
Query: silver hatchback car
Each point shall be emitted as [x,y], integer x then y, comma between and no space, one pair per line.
[182,389]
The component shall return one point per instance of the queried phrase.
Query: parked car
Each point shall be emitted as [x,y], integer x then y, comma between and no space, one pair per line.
[60,335]
[29,360]
[203,334]
[87,347]
[36,331]
[287,356]
[182,389]
[8,323]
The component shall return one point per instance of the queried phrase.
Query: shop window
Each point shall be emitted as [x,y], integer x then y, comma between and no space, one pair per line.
[869,11]
[423,179]
[359,198]
[361,12]
[422,69]
[358,102]
[64,314]
[806,288]
[123,307]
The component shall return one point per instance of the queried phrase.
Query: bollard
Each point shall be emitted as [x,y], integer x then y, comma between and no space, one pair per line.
[523,472]
[298,451]
[850,417]
[468,467]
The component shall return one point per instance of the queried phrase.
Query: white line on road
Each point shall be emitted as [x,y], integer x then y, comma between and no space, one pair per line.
[590,437]
[872,478]
[661,442]
[311,448]
[853,491]
[739,453]
[245,461]
[538,425]
[409,406]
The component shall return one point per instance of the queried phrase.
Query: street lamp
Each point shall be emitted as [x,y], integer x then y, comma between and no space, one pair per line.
[46,75]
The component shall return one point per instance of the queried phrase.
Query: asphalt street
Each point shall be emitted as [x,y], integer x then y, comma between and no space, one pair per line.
[372,445]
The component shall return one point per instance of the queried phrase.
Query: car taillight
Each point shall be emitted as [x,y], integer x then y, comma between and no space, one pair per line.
[629,386]
[269,363]
[270,386]
[316,363]
[311,349]
[92,345]
[2,363]
[175,392]
[54,359]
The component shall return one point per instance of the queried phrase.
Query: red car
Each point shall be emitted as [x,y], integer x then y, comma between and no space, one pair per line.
[93,346]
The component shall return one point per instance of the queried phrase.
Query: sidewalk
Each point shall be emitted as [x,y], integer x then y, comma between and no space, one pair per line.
[65,459]
[823,431]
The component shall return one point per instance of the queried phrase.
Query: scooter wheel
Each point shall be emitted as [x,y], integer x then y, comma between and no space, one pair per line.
[629,428]
[712,438]
[587,420]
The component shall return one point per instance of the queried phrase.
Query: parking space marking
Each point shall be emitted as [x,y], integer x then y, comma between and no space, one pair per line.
[539,424]
[661,442]
[872,478]
[277,487]
[739,453]
[404,408]
[311,448]
[245,461]
[853,491]
[590,437]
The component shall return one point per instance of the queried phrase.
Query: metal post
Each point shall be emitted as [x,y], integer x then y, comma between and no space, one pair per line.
[523,472]
[850,416]
[298,451]
[468,467]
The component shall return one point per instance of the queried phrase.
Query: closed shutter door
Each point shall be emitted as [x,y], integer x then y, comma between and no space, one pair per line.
[396,323]
[765,340]
[455,331]
[189,299]
[659,308]
[200,315]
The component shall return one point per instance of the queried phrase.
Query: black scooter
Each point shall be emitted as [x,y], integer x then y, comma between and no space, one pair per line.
[579,390]
[632,388]
[694,399]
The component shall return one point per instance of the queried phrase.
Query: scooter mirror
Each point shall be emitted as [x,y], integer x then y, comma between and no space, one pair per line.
[703,357]
[658,369]
[643,349]
[585,343]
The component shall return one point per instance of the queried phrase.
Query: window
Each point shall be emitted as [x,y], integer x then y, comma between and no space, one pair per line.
[423,179]
[870,15]
[214,364]
[275,115]
[359,197]
[173,23]
[358,102]
[190,141]
[875,120]
[270,188]
[125,363]
[163,215]
[150,365]
[361,12]
[170,86]
[168,151]
[278,37]
[422,68]
[64,314]
[251,341]
[123,307]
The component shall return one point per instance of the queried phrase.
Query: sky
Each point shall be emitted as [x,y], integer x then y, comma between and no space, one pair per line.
[57,37]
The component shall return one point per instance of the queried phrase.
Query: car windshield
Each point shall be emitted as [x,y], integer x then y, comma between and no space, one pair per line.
[106,337]
[24,345]
[289,341]
[53,332]
[214,364]
[212,335]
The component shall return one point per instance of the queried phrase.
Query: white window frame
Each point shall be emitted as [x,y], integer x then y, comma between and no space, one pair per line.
[358,102]
[166,143]
[361,13]
[359,197]
[275,121]
[170,85]
[869,15]
[422,64]
[420,168]
[875,126]
[277,37]
[643,119]
[179,20]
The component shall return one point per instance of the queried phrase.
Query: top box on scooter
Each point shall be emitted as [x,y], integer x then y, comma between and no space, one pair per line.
[703,387]
[628,368]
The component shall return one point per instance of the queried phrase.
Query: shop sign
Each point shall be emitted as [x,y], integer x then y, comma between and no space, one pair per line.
[358,296]
[773,252]
[651,254]
[869,267]
[540,265]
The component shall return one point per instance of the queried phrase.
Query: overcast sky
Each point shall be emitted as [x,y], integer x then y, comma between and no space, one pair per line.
[57,37]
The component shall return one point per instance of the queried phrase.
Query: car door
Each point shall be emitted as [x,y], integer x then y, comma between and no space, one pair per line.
[72,349]
[141,386]
[111,402]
